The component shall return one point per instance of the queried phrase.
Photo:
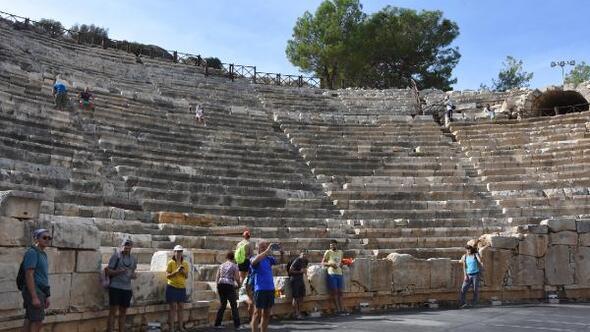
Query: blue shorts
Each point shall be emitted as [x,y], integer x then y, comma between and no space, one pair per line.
[264,299]
[335,282]
[174,294]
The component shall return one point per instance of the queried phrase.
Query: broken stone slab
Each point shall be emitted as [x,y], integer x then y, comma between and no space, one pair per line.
[584,239]
[558,225]
[317,276]
[20,204]
[559,268]
[372,274]
[150,287]
[441,276]
[61,286]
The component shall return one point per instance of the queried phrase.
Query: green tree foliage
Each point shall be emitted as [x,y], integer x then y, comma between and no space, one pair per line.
[89,34]
[399,44]
[214,63]
[385,50]
[52,27]
[322,43]
[580,73]
[512,76]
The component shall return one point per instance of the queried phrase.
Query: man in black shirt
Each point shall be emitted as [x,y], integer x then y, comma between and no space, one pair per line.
[297,270]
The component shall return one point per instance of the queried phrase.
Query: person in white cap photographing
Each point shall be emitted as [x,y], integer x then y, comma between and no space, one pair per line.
[176,274]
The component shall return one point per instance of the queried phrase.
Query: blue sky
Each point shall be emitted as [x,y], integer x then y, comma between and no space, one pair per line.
[255,32]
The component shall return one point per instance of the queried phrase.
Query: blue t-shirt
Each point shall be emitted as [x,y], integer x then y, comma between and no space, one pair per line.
[59,88]
[471,266]
[263,274]
[36,259]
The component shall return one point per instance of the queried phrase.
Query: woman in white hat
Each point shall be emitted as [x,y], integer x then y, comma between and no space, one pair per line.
[176,274]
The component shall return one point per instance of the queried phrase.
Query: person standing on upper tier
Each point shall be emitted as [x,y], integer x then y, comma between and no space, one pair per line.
[472,266]
[60,95]
[177,272]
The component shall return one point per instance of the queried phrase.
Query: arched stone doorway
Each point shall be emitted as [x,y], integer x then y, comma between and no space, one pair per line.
[553,102]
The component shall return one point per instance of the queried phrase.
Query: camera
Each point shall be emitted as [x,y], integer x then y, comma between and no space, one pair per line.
[275,246]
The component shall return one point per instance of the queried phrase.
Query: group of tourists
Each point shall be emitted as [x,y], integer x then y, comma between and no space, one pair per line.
[243,268]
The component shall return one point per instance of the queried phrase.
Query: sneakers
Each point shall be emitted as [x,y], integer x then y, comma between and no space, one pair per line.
[464,306]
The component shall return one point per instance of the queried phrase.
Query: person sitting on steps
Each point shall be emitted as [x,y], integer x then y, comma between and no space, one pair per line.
[86,100]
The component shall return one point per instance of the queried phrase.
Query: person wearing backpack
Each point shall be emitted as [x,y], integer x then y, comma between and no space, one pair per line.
[472,266]
[33,281]
[121,270]
[243,254]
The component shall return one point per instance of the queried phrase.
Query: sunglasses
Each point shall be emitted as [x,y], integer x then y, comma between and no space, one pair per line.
[47,238]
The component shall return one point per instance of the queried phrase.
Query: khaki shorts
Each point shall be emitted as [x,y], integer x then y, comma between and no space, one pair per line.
[33,314]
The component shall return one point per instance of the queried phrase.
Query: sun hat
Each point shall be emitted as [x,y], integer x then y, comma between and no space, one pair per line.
[178,247]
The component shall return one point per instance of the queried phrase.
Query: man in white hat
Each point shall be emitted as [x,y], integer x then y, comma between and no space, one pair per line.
[177,272]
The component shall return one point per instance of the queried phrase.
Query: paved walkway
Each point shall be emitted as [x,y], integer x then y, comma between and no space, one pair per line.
[543,317]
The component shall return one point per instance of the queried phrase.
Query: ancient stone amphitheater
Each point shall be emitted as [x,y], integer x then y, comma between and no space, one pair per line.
[300,166]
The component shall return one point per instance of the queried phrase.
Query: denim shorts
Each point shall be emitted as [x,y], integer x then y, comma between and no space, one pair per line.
[335,282]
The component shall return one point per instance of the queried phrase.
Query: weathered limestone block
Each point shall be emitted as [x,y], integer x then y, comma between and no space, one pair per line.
[457,275]
[8,273]
[533,245]
[75,233]
[13,232]
[317,276]
[409,273]
[558,225]
[499,241]
[86,292]
[149,287]
[496,262]
[61,261]
[371,275]
[61,285]
[204,272]
[564,237]
[20,204]
[139,240]
[559,267]
[11,300]
[88,261]
[583,226]
[527,270]
[160,261]
[584,239]
[441,276]
[532,228]
[188,241]
[582,259]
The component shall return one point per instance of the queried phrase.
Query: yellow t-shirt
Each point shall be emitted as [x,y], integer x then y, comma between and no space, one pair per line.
[179,279]
[333,257]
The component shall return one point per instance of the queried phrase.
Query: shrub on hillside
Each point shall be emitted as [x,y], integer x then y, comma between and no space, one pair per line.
[52,27]
[214,63]
[89,34]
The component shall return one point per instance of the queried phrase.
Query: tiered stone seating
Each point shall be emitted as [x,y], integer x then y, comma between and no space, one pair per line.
[536,168]
[399,182]
[141,167]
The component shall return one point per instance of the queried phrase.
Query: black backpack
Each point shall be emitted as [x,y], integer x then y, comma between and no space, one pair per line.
[20,277]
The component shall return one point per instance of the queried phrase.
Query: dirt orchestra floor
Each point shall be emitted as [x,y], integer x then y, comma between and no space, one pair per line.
[538,317]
